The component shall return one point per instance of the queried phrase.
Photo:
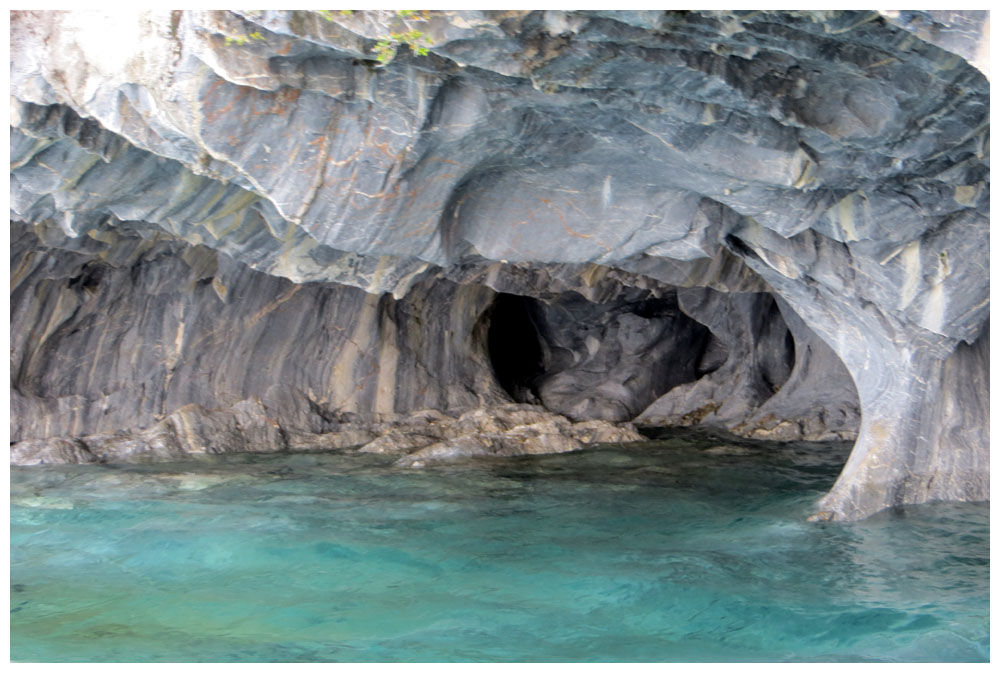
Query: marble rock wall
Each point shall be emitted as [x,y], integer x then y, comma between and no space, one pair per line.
[770,222]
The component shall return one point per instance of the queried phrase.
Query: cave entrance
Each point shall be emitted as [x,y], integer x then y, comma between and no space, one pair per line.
[741,363]
[589,360]
[514,347]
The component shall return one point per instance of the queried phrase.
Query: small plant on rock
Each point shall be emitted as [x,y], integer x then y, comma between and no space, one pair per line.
[243,39]
[409,35]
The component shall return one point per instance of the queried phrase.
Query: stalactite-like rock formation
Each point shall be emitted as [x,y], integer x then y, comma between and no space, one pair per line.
[245,231]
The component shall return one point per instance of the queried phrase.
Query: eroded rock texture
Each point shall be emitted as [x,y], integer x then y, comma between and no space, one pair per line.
[241,231]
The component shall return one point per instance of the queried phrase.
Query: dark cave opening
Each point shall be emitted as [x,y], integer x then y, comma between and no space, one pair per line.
[610,361]
[589,360]
[514,347]
[775,345]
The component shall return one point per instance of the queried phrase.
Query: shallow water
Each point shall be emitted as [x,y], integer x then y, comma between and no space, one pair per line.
[677,550]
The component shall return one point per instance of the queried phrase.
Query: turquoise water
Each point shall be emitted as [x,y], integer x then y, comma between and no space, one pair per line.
[677,550]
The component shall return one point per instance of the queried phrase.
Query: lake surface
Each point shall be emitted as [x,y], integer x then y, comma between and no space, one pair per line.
[683,549]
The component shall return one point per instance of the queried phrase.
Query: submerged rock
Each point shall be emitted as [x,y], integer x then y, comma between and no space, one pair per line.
[254,229]
[51,451]
[520,442]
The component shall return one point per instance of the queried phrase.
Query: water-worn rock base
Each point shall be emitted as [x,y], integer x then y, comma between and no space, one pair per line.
[419,439]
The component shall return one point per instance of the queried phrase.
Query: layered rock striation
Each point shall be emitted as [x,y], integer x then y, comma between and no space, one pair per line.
[256,230]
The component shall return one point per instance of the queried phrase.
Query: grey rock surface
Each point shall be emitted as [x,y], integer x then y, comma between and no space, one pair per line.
[774,223]
[421,438]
